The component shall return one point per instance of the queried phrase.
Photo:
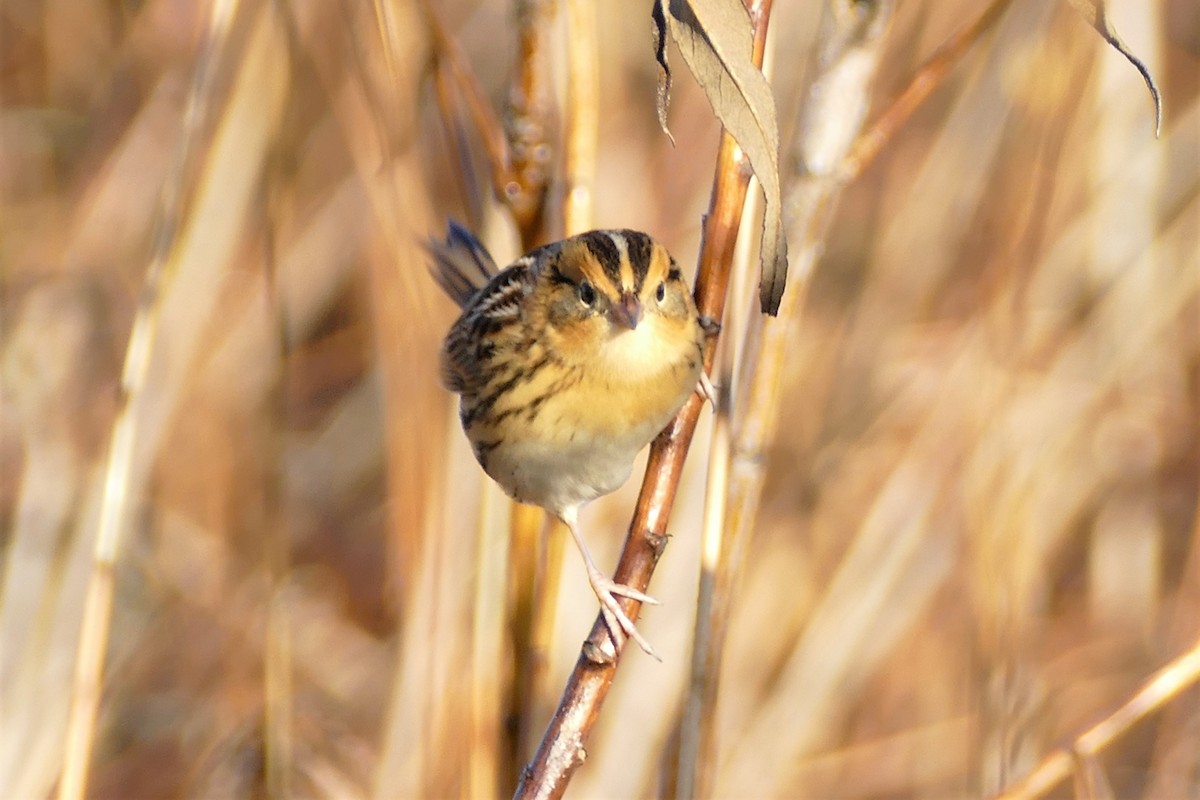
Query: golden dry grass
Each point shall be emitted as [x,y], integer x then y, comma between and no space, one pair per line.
[979,532]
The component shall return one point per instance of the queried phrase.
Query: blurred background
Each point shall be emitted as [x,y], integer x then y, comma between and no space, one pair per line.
[978,533]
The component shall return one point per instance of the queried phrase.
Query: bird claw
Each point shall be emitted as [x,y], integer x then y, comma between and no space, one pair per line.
[618,622]
[706,390]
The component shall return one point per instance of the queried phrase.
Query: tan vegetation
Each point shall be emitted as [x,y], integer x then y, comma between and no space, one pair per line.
[222,435]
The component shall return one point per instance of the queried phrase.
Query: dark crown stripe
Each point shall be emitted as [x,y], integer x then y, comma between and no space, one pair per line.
[640,248]
[604,250]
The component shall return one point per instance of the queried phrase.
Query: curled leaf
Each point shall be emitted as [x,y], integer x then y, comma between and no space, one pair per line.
[715,39]
[1093,12]
[664,70]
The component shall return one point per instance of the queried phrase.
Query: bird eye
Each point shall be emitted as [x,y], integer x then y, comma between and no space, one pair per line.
[661,293]
[587,295]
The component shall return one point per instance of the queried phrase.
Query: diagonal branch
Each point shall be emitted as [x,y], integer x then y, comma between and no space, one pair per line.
[561,751]
[1159,689]
[929,77]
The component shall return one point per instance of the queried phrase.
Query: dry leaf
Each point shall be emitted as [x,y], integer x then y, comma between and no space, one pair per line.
[715,39]
[1093,12]
[664,71]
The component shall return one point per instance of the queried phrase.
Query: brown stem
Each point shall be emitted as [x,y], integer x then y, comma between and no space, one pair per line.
[579,147]
[582,116]
[836,102]
[928,77]
[1162,687]
[536,560]
[561,750]
[518,147]
[526,122]
[811,202]
[451,64]
[124,471]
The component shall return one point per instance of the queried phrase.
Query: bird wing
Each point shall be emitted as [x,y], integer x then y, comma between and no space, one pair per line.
[469,354]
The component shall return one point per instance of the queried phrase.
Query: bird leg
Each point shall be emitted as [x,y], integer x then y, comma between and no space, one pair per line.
[618,622]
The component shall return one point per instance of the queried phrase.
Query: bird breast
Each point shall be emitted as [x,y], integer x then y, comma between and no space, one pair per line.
[576,439]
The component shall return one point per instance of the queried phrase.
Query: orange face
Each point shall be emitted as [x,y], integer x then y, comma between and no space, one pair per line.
[616,300]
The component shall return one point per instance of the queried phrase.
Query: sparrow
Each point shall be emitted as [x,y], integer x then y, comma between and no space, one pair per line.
[567,363]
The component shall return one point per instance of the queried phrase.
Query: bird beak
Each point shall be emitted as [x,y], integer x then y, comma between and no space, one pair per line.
[627,313]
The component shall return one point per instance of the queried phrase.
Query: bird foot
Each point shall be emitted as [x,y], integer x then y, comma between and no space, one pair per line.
[618,622]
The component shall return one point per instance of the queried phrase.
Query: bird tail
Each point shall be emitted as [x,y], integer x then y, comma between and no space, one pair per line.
[461,264]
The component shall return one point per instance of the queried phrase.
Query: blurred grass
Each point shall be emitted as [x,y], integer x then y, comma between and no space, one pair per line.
[980,523]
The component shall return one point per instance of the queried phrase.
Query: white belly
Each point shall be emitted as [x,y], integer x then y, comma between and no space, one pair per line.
[558,476]
[581,443]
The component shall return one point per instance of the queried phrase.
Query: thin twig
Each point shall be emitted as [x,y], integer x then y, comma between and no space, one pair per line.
[562,747]
[122,449]
[1178,717]
[1163,686]
[930,76]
